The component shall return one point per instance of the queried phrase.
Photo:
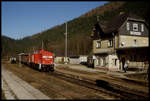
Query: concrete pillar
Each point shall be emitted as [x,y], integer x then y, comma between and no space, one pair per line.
[20,61]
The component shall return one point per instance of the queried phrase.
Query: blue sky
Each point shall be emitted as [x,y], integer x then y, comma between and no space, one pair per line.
[21,19]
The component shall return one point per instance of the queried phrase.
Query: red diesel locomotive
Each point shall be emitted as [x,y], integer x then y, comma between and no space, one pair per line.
[42,59]
[39,59]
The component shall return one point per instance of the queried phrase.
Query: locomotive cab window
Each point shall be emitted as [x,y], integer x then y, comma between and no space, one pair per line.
[36,51]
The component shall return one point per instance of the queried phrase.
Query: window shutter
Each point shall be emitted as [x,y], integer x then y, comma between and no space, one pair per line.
[128,26]
[142,28]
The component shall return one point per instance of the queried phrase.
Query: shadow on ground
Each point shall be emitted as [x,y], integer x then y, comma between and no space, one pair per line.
[106,85]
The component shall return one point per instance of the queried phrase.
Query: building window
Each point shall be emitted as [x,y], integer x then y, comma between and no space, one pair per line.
[115,62]
[101,62]
[98,44]
[98,61]
[135,27]
[110,43]
[142,28]
[128,27]
[134,58]
[104,61]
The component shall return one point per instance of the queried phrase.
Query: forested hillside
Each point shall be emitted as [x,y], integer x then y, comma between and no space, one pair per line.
[8,46]
[79,30]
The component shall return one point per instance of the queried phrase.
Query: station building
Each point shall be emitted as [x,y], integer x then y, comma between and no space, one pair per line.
[122,40]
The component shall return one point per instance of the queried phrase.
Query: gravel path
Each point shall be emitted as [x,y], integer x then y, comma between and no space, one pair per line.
[16,88]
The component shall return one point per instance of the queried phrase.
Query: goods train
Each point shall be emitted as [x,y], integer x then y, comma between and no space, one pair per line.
[39,59]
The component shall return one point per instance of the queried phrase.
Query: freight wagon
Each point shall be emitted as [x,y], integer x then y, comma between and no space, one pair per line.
[25,59]
[39,59]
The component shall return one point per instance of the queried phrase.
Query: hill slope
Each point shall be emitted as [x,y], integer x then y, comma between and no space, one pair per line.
[79,30]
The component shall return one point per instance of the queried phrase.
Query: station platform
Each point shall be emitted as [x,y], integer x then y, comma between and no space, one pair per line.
[94,70]
[118,74]
[17,89]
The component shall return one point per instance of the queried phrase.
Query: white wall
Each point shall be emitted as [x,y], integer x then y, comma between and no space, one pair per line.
[109,63]
[112,61]
[83,58]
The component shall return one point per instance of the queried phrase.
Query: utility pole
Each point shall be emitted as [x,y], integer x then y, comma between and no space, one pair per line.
[97,18]
[42,44]
[66,45]
[19,60]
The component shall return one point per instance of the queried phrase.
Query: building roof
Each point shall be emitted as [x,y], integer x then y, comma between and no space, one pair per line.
[115,23]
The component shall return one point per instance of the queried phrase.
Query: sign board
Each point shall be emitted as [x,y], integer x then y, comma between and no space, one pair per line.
[135,33]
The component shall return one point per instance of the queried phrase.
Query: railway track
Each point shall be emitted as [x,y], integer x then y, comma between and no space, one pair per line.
[118,79]
[101,86]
